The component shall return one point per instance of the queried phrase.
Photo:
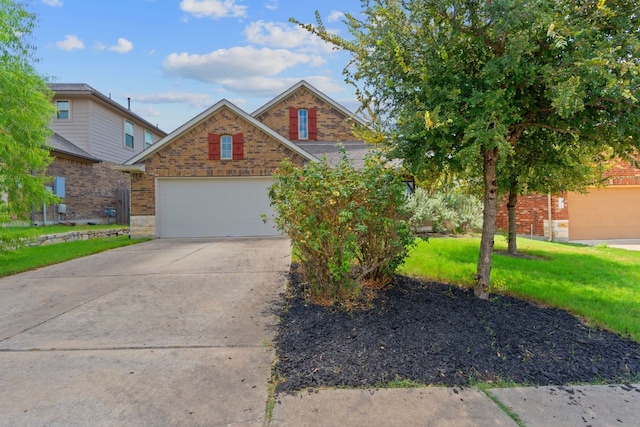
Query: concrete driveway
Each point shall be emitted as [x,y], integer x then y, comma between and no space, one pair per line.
[168,332]
[628,244]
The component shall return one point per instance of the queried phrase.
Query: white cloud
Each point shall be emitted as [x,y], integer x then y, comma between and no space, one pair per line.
[123,46]
[198,100]
[272,86]
[281,35]
[236,63]
[52,3]
[70,42]
[271,4]
[213,8]
[146,111]
[335,16]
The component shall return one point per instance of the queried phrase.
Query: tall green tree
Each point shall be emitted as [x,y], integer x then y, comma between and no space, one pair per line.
[25,112]
[458,84]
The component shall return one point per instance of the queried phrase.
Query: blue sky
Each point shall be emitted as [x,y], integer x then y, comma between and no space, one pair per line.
[176,58]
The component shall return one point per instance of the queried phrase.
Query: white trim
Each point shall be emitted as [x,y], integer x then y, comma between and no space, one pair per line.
[125,134]
[202,116]
[68,119]
[230,156]
[146,132]
[306,124]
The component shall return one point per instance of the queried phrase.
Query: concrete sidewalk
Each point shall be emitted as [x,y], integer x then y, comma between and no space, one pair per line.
[455,407]
[167,332]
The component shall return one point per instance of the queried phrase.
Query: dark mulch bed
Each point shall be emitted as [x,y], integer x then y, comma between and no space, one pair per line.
[442,335]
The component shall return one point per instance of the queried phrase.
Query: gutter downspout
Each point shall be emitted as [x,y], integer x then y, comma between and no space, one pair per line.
[550,218]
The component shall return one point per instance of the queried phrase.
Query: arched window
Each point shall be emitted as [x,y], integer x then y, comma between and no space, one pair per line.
[303,124]
[226,147]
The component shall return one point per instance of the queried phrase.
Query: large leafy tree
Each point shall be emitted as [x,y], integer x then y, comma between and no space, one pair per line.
[463,84]
[25,112]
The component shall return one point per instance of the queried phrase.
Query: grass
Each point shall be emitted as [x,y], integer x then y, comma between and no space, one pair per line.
[598,284]
[32,257]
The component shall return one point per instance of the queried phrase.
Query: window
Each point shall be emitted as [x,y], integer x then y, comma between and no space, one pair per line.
[128,134]
[148,139]
[303,124]
[226,146]
[62,110]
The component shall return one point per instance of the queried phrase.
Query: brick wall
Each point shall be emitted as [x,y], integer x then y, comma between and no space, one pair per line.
[89,188]
[622,173]
[187,156]
[532,211]
[332,124]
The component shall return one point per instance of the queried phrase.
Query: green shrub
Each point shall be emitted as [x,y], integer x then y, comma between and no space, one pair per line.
[349,227]
[452,211]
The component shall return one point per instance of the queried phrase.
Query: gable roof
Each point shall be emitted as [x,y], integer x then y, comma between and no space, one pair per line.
[316,92]
[356,151]
[202,116]
[85,89]
[61,145]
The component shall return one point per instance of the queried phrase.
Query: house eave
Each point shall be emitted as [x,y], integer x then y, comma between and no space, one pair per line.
[135,168]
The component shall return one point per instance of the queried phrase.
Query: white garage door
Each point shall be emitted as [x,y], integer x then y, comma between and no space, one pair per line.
[213,207]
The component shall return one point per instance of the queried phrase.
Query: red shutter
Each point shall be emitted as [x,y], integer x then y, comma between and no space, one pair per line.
[313,125]
[238,146]
[214,146]
[293,123]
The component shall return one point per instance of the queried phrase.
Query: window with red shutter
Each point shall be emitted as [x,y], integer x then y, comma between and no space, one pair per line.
[313,124]
[214,146]
[238,146]
[293,123]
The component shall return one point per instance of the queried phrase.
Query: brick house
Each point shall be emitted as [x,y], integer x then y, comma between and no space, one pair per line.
[92,133]
[611,212]
[210,176]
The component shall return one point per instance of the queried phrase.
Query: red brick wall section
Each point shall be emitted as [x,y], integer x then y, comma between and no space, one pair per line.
[622,173]
[532,211]
[187,156]
[333,125]
[89,188]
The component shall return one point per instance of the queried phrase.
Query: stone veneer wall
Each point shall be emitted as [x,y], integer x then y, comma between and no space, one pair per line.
[188,156]
[332,124]
[71,236]
[89,188]
[143,225]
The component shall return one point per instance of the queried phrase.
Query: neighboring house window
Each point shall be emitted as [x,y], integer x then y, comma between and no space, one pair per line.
[62,110]
[226,147]
[303,124]
[148,139]
[128,134]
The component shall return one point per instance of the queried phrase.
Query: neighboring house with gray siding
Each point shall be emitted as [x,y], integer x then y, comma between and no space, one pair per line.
[92,133]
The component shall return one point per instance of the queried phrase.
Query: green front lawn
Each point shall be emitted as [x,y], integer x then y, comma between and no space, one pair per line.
[32,257]
[599,284]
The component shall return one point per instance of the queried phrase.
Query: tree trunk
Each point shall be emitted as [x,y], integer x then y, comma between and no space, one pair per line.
[483,276]
[511,209]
